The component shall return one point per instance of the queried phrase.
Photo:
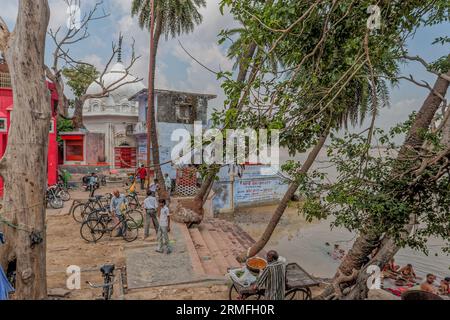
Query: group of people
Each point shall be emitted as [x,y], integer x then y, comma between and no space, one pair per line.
[141,174]
[157,212]
[407,274]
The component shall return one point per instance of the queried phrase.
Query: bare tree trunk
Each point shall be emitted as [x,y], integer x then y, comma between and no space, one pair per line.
[77,119]
[24,164]
[365,243]
[260,244]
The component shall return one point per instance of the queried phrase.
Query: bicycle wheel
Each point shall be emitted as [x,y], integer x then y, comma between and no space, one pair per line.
[298,294]
[80,212]
[137,217]
[233,294]
[132,202]
[56,203]
[131,233]
[64,195]
[92,230]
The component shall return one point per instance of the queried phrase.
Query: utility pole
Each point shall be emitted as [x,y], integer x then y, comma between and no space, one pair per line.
[150,96]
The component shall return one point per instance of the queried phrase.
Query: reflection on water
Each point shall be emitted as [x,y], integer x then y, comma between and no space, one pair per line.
[305,243]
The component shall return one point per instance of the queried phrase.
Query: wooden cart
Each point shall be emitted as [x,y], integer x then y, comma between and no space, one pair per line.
[298,284]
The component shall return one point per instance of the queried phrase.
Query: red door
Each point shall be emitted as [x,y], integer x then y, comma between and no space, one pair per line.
[125,157]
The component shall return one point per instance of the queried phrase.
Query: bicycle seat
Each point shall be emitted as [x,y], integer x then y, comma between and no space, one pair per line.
[98,197]
[107,269]
[92,199]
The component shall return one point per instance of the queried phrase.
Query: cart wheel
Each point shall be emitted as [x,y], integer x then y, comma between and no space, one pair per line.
[233,294]
[298,294]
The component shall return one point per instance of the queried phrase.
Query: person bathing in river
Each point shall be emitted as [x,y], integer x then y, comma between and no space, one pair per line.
[337,253]
[407,273]
[444,288]
[428,284]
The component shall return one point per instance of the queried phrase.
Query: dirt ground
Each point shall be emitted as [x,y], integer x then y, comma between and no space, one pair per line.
[66,248]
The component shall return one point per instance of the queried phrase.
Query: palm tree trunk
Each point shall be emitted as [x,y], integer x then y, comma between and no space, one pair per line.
[151,110]
[365,243]
[260,244]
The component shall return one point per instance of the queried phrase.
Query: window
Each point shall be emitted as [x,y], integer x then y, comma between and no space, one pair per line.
[3,125]
[74,150]
[184,113]
[52,126]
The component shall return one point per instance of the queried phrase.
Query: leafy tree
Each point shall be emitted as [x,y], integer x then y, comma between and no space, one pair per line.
[335,72]
[79,78]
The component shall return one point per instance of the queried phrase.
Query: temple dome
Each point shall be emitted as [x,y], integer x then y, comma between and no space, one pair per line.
[119,97]
[115,77]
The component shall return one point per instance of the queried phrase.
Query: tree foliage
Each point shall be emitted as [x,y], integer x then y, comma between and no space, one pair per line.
[80,77]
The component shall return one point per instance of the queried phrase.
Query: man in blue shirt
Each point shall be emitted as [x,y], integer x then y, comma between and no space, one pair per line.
[118,207]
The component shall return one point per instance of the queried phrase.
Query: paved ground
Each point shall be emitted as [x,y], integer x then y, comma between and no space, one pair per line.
[148,268]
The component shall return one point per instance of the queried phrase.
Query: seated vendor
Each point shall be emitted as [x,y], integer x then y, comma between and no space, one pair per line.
[272,278]
[428,284]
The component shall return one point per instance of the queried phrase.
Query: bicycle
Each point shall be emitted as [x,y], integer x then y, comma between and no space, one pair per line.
[97,224]
[107,271]
[62,192]
[52,198]
[81,210]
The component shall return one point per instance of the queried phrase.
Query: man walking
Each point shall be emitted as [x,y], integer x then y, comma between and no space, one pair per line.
[142,174]
[150,207]
[273,278]
[164,228]
[118,206]
[167,183]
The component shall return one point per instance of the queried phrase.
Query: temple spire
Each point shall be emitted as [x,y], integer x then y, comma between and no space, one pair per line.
[119,51]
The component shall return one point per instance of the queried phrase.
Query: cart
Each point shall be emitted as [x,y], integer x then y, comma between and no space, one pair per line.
[298,286]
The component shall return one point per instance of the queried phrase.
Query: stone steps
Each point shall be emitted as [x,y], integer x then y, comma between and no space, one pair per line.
[206,257]
[214,246]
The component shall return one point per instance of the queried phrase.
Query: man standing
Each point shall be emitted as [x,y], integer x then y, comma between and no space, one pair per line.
[142,174]
[92,184]
[167,183]
[154,187]
[164,228]
[150,207]
[118,207]
[273,278]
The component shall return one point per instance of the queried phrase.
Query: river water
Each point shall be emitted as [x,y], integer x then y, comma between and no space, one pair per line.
[310,244]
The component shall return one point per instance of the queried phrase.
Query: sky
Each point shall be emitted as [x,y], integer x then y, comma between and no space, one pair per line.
[177,71]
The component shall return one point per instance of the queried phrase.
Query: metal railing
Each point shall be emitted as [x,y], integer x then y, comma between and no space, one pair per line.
[5,80]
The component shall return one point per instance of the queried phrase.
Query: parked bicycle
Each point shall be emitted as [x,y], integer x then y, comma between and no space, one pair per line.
[82,209]
[100,223]
[107,271]
[52,198]
[62,192]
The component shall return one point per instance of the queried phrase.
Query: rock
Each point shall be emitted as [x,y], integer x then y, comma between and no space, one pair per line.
[58,292]
[379,294]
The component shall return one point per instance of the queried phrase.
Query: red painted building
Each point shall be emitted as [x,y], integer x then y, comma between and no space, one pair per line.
[6,106]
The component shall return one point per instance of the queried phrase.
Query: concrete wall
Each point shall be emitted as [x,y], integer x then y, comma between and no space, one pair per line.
[251,189]
[95,150]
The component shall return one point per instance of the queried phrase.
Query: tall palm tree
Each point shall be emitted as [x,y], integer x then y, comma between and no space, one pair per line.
[172,18]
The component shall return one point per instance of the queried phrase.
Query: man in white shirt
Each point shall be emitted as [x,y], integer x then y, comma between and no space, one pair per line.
[168,183]
[164,228]
[150,207]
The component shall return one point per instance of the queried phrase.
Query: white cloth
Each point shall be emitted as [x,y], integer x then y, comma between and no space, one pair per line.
[164,217]
[150,203]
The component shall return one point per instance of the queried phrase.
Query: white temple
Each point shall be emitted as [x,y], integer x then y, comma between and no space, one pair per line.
[115,115]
